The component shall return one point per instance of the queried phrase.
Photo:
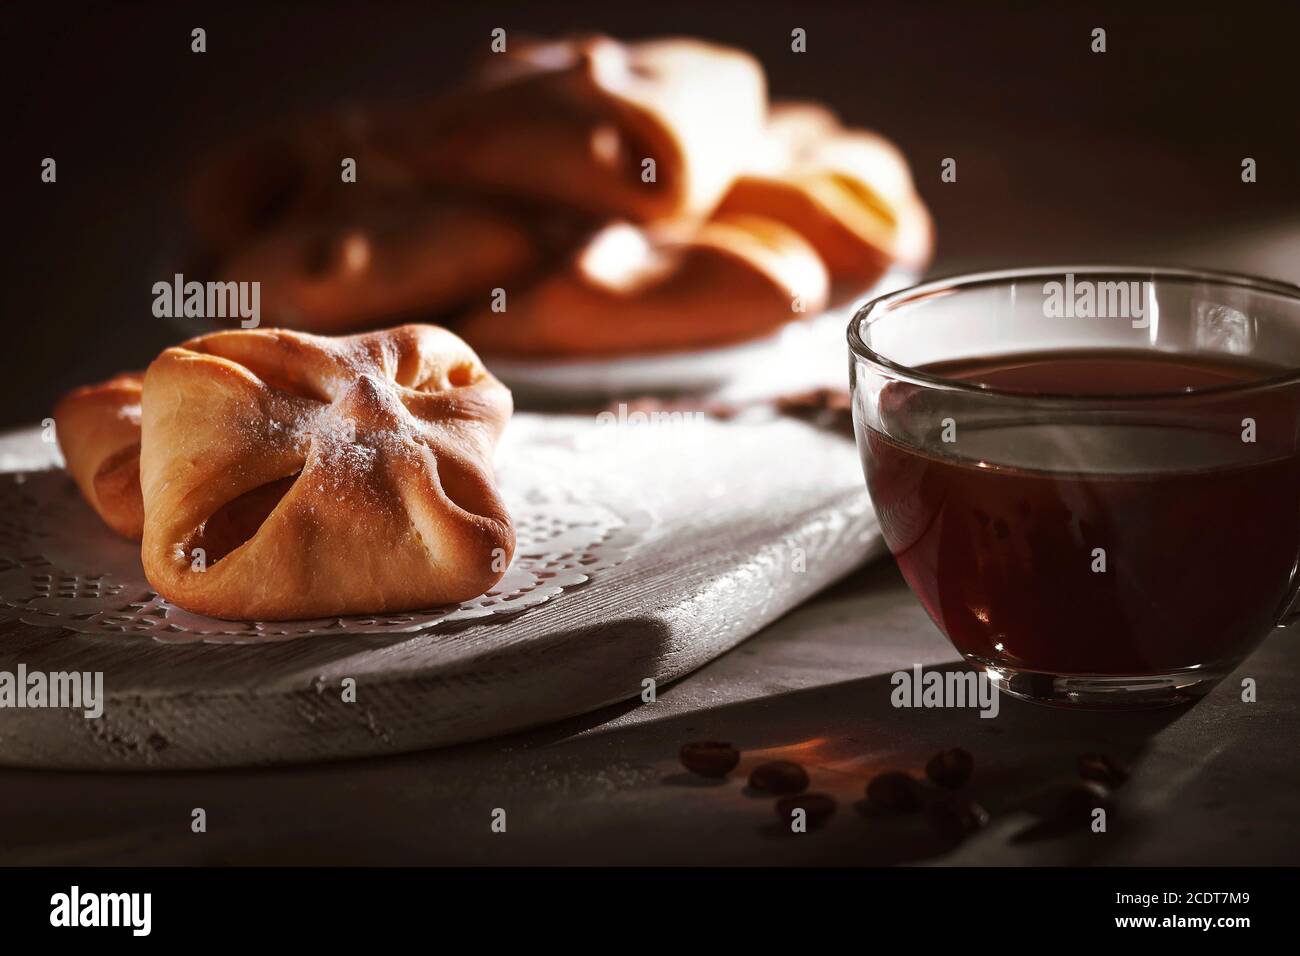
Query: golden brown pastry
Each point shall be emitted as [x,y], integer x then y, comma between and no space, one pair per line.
[98,427]
[347,274]
[669,287]
[288,175]
[565,121]
[849,193]
[792,126]
[288,475]
[571,121]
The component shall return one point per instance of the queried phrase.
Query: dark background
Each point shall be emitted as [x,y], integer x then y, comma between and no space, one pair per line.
[1063,155]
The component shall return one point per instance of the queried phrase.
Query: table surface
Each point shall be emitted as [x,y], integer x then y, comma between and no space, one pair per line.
[1212,784]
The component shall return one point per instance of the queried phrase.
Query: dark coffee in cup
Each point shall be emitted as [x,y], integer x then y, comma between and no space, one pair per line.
[1080,544]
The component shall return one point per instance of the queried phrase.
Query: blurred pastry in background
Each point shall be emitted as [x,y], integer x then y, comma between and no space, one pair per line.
[286,175]
[791,126]
[378,265]
[98,427]
[574,122]
[848,192]
[532,178]
[651,289]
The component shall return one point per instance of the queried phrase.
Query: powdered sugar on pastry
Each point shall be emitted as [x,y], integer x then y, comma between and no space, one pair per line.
[287,475]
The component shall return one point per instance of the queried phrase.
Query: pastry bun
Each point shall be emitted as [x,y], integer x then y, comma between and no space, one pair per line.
[849,193]
[634,289]
[351,273]
[572,122]
[98,428]
[289,175]
[288,475]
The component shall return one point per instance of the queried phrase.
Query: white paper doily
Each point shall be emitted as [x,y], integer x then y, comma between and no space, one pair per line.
[61,567]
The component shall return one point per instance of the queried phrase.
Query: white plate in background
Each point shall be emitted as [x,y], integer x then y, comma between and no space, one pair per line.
[811,352]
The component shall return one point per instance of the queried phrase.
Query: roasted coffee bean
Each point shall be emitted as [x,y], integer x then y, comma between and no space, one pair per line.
[954,818]
[1102,769]
[950,768]
[1075,804]
[779,776]
[895,791]
[817,808]
[709,758]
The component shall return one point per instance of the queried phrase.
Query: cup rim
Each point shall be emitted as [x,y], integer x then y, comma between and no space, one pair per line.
[970,280]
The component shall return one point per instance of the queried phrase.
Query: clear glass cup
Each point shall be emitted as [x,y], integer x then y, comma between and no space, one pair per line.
[1090,476]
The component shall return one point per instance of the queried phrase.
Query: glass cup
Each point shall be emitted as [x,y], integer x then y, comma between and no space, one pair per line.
[1090,476]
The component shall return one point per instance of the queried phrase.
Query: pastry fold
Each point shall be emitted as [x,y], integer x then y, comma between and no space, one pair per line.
[288,475]
[357,271]
[848,192]
[634,289]
[98,428]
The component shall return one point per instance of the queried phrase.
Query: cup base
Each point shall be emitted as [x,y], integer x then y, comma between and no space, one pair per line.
[1098,692]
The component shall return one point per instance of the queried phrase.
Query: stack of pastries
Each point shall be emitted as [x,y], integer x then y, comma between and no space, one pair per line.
[575,197]
[271,474]
[579,197]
